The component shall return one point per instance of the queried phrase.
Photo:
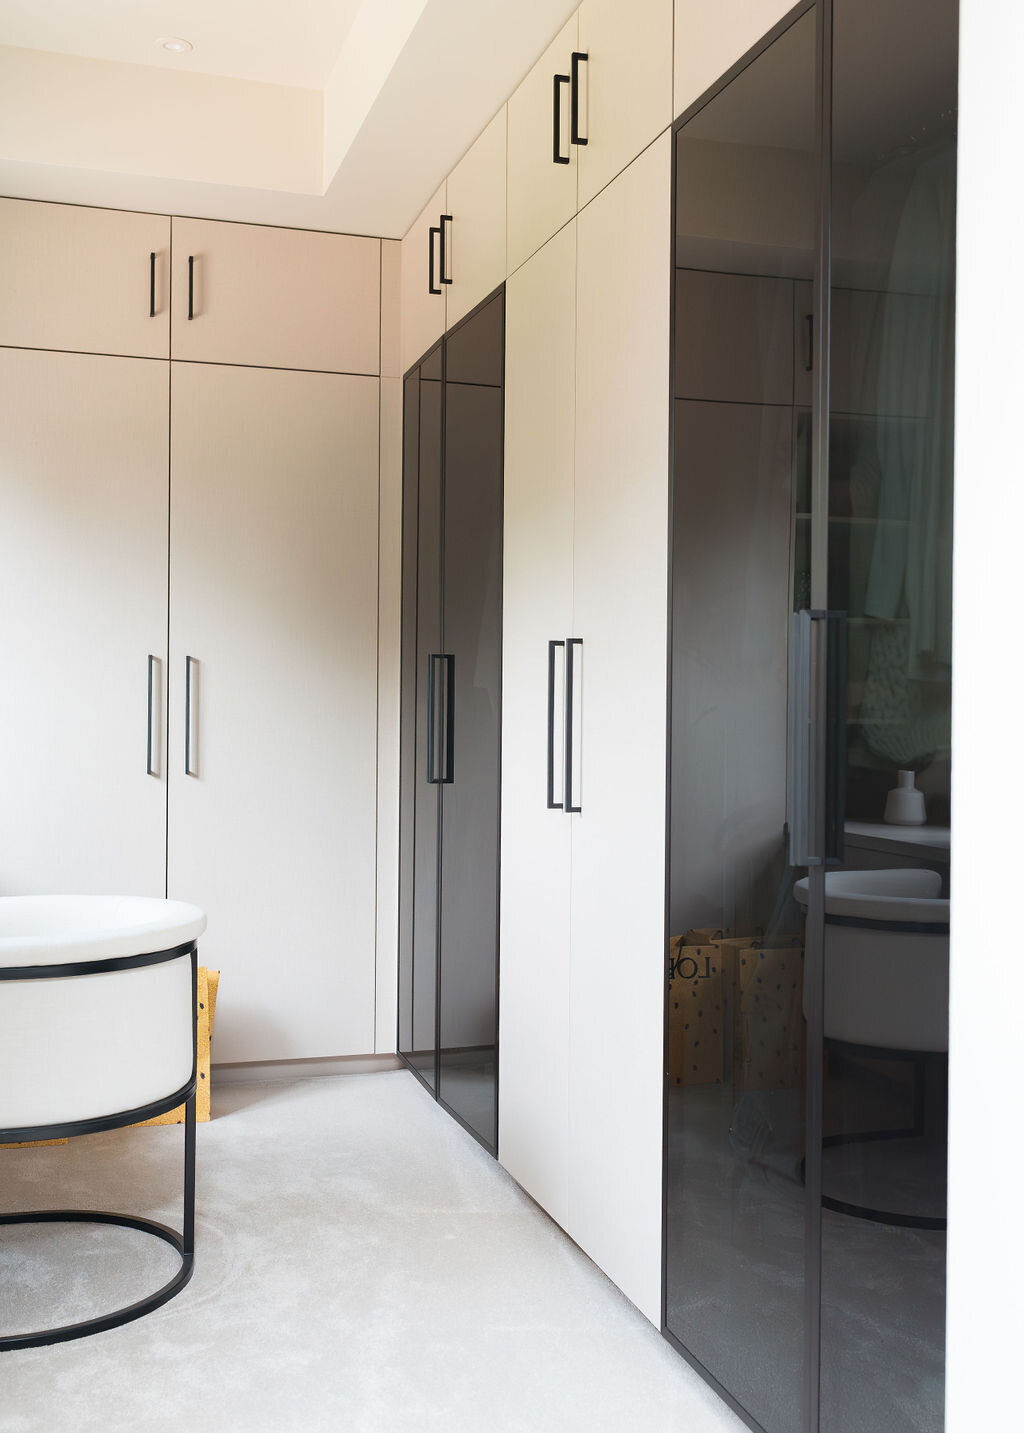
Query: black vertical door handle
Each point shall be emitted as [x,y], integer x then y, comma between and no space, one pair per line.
[570,644]
[152,285]
[556,140]
[449,720]
[190,662]
[432,285]
[809,354]
[150,708]
[432,660]
[578,57]
[444,257]
[553,805]
[191,285]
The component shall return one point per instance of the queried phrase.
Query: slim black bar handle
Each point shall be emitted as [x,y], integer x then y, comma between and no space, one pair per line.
[189,663]
[431,720]
[578,57]
[809,354]
[445,257]
[553,805]
[432,285]
[570,643]
[150,709]
[556,142]
[449,719]
[191,285]
[152,285]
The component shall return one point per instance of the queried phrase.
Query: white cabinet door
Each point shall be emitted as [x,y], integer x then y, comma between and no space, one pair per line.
[423,309]
[273,583]
[626,100]
[279,298]
[84,279]
[83,606]
[541,193]
[533,1084]
[476,202]
[618,839]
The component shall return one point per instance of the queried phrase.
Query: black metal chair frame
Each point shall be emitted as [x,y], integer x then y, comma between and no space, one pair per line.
[183,1243]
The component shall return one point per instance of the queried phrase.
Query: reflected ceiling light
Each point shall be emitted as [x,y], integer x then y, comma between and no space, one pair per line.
[175,45]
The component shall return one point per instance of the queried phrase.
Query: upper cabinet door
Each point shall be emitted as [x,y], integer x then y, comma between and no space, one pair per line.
[475,242]
[275,298]
[542,166]
[84,280]
[424,276]
[624,91]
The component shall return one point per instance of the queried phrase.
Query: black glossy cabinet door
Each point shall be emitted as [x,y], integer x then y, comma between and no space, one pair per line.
[451,719]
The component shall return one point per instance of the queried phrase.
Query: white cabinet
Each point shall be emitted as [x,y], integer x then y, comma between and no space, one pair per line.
[620,613]
[273,582]
[85,280]
[280,298]
[476,235]
[586,557]
[540,352]
[423,286]
[83,609]
[626,100]
[541,191]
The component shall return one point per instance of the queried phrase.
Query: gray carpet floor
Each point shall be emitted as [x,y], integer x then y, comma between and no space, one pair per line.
[361,1264]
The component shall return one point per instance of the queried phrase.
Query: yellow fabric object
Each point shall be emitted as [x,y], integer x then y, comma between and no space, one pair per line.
[33,1143]
[207,983]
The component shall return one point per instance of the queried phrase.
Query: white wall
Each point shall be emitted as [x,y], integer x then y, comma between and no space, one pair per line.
[986,1151]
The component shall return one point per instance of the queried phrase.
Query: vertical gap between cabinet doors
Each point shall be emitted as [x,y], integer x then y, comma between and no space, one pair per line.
[439,863]
[376,729]
[167,641]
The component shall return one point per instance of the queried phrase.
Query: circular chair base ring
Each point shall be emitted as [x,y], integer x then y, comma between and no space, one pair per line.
[118,1316]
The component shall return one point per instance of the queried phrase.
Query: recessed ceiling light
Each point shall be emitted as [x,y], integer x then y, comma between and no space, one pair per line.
[175,45]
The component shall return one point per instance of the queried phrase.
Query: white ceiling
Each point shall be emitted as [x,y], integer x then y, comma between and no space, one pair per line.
[293,43]
[325,114]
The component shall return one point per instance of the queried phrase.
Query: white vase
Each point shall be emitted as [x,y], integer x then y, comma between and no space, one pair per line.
[904,805]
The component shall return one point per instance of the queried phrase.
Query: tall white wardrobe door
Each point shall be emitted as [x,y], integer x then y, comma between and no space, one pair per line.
[533,1084]
[273,596]
[618,844]
[83,606]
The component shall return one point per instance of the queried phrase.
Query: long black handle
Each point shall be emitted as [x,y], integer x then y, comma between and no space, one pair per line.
[570,643]
[809,355]
[556,143]
[188,717]
[191,285]
[431,719]
[152,285]
[553,805]
[449,720]
[443,265]
[578,57]
[150,702]
[432,286]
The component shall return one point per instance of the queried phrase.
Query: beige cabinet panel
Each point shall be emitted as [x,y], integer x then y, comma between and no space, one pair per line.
[533,1084]
[423,312]
[620,614]
[476,236]
[709,39]
[541,193]
[80,279]
[274,583]
[83,606]
[626,95]
[277,298]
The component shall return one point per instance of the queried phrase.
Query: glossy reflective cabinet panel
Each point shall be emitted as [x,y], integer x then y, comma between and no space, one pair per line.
[810,670]
[451,718]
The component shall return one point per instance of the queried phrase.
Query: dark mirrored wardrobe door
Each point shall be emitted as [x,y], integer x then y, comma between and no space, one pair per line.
[746,214]
[474,411]
[451,718]
[420,766]
[886,940]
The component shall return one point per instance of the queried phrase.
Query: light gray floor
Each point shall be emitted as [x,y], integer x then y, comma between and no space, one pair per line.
[362,1264]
